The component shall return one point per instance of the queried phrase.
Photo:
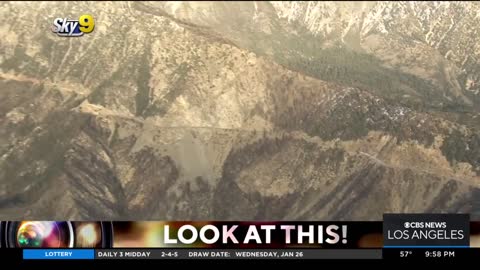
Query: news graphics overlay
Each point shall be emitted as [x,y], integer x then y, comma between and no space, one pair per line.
[426,230]
[244,240]
[191,240]
[66,27]
[247,234]
[427,236]
[56,234]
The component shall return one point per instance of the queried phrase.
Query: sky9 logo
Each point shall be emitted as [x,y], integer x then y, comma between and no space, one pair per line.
[73,28]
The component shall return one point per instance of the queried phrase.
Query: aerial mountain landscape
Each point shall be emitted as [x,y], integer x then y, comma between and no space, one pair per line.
[240,110]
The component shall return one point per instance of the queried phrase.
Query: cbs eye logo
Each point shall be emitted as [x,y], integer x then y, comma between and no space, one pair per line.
[73,28]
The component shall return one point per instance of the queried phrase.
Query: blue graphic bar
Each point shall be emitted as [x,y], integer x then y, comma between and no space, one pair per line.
[426,247]
[58,254]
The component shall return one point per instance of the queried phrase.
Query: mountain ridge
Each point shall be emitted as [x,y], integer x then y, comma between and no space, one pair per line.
[182,116]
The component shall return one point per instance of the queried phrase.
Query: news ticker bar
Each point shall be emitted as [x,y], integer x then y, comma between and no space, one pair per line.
[403,253]
[396,230]
[182,254]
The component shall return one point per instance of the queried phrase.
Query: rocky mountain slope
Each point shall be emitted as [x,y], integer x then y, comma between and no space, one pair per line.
[436,41]
[244,110]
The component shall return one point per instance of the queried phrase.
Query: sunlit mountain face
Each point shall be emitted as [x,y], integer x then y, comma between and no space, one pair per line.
[239,110]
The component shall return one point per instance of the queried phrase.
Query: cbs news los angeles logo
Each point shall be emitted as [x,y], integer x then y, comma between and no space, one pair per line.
[73,28]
